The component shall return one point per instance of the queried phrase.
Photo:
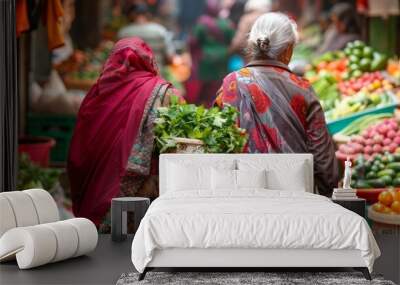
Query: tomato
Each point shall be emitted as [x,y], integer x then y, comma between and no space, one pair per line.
[385,198]
[396,207]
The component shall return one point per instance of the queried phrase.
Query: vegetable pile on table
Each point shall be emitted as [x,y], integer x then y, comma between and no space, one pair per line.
[380,171]
[352,81]
[383,137]
[216,127]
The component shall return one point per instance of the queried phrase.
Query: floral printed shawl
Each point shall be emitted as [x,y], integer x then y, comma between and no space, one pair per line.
[281,115]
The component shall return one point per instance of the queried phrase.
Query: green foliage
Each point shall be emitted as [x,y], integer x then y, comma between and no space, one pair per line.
[215,127]
[31,175]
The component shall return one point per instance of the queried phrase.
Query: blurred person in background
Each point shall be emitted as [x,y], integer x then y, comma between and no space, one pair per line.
[343,29]
[278,109]
[209,42]
[253,9]
[111,152]
[154,34]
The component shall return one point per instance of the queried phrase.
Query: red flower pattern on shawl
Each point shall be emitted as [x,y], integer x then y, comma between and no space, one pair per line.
[260,98]
[229,94]
[300,82]
[298,104]
[268,141]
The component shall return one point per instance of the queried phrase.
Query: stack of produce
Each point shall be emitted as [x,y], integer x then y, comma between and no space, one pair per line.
[371,82]
[357,103]
[380,171]
[216,128]
[389,202]
[363,58]
[383,137]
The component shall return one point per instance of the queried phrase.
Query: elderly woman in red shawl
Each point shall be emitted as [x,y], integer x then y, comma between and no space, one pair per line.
[278,109]
[111,150]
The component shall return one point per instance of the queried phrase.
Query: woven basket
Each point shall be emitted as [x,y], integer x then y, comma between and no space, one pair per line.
[184,145]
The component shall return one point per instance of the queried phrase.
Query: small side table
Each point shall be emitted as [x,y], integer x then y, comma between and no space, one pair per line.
[356,205]
[119,208]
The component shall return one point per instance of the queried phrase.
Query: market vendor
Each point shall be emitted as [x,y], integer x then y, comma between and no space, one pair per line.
[112,146]
[342,30]
[278,109]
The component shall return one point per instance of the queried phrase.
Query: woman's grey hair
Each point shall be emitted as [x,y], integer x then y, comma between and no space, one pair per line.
[270,36]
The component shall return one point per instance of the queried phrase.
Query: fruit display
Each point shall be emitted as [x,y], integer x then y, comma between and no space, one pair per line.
[327,91]
[368,82]
[379,171]
[387,209]
[362,123]
[393,68]
[363,58]
[357,103]
[383,137]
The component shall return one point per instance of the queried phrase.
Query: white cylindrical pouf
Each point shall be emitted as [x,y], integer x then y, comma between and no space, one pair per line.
[23,208]
[87,234]
[67,239]
[45,205]
[34,246]
[7,218]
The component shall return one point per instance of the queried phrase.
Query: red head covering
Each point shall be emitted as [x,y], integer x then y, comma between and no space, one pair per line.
[108,123]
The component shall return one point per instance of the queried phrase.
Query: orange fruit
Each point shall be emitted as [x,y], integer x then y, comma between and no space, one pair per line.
[386,198]
[396,207]
[396,195]
[378,207]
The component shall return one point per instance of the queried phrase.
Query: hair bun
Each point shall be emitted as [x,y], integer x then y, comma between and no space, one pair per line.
[263,44]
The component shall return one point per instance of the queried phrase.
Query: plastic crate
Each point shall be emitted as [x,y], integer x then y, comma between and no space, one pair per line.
[336,126]
[58,127]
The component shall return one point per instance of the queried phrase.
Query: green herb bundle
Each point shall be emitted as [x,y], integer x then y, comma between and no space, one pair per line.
[215,127]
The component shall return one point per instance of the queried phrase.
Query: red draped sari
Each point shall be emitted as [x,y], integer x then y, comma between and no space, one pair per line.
[110,122]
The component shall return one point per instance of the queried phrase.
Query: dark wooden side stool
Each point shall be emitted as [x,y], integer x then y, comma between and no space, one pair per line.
[356,205]
[119,208]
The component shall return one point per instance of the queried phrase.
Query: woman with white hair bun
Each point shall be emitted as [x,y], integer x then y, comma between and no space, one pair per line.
[278,109]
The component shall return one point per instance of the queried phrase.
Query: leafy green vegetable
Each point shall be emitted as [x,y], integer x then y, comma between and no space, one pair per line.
[215,127]
[31,175]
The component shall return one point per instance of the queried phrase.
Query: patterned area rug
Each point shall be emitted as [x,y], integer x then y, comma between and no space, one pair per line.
[242,278]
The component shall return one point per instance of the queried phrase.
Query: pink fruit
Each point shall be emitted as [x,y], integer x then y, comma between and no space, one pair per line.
[391,134]
[377,148]
[373,133]
[393,147]
[358,139]
[383,129]
[368,149]
[378,139]
[365,134]
[386,148]
[369,142]
[396,140]
[387,141]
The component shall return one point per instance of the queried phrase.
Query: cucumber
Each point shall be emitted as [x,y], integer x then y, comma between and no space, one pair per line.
[371,175]
[398,175]
[395,166]
[396,157]
[386,179]
[376,183]
[386,172]
[362,184]
[396,182]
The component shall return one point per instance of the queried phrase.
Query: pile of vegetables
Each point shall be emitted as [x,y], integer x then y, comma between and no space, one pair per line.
[357,126]
[369,82]
[380,171]
[215,127]
[358,103]
[363,58]
[327,90]
[377,139]
[31,175]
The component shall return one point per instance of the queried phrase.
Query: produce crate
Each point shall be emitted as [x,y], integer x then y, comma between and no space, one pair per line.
[58,127]
[336,126]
